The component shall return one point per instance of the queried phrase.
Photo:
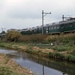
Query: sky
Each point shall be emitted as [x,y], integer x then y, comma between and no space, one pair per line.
[21,14]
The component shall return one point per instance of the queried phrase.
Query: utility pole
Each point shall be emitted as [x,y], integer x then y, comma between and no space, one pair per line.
[2,29]
[42,20]
[63,17]
[43,15]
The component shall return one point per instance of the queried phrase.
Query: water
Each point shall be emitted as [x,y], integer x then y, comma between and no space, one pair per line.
[40,66]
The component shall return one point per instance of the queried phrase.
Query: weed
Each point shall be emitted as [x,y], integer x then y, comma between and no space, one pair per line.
[61,48]
[7,71]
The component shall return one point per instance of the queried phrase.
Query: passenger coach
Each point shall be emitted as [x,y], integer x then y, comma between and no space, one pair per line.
[54,28]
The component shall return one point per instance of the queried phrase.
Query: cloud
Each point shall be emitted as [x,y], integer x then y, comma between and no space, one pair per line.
[28,13]
[33,8]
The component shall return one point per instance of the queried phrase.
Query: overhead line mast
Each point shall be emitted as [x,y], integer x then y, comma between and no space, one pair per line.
[43,15]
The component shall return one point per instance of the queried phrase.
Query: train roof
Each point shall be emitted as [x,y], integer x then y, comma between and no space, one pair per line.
[53,24]
[60,22]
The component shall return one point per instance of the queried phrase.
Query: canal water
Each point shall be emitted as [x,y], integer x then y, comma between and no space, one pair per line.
[40,66]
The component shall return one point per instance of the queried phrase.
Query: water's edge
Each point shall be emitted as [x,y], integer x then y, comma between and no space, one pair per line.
[38,65]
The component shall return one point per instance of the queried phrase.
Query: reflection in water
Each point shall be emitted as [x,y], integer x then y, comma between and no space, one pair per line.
[64,73]
[41,66]
[43,69]
[64,68]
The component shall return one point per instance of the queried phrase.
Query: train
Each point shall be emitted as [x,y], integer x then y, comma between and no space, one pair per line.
[65,26]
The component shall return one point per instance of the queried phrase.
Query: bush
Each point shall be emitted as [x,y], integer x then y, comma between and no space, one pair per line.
[59,56]
[73,53]
[71,58]
[51,54]
[13,36]
[33,38]
[61,48]
[56,55]
[7,71]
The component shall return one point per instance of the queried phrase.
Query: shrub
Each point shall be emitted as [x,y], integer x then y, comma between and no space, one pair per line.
[71,58]
[7,71]
[73,53]
[12,36]
[61,48]
[51,54]
[33,38]
[59,56]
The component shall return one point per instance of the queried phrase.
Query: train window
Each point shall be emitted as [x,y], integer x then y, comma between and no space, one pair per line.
[57,27]
[34,30]
[66,26]
[71,25]
[62,26]
[54,27]
[51,28]
[47,28]
[39,28]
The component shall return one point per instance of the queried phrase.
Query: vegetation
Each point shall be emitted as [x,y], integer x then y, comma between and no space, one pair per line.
[61,48]
[10,67]
[7,71]
[35,38]
[13,36]
[55,46]
[39,38]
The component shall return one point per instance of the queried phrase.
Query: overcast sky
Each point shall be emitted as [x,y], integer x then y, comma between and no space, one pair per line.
[21,14]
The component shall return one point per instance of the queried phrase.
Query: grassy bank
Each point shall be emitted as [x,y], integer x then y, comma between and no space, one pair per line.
[10,67]
[60,47]
[61,52]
